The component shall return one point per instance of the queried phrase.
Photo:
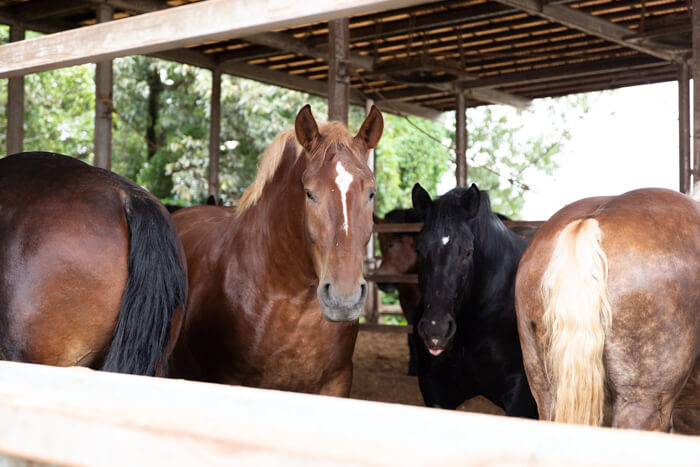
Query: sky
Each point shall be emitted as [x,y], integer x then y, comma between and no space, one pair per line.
[628,139]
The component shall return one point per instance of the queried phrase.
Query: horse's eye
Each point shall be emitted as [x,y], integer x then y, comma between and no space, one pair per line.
[468,253]
[310,195]
[390,245]
[371,195]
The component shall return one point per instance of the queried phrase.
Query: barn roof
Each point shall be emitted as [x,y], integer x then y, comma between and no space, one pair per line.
[503,51]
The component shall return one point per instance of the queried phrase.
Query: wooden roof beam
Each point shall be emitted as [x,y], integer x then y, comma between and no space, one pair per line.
[172,28]
[44,9]
[560,72]
[289,43]
[595,26]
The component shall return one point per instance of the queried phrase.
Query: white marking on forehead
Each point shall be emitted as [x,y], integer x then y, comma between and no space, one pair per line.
[445,240]
[343,180]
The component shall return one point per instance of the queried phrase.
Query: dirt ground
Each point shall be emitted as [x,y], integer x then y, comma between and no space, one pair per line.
[381,366]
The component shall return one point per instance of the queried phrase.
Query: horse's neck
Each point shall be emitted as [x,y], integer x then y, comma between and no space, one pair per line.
[272,231]
[496,256]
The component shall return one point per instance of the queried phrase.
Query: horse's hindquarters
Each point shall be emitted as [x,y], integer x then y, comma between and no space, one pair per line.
[63,294]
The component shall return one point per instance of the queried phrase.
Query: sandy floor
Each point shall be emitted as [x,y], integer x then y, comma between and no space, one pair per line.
[381,364]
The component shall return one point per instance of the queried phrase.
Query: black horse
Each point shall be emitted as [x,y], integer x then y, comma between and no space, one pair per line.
[467,337]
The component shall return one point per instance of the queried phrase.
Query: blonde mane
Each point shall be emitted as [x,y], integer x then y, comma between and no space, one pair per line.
[332,133]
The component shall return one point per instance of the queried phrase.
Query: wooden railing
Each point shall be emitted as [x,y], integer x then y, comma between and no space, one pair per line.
[74,416]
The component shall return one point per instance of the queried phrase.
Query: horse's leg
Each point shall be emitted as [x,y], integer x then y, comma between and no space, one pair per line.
[530,330]
[648,361]
[338,384]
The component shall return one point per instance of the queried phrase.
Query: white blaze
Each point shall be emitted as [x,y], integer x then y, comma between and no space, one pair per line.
[445,240]
[343,180]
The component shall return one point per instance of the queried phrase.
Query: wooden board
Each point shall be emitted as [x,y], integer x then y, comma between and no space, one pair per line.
[175,27]
[79,416]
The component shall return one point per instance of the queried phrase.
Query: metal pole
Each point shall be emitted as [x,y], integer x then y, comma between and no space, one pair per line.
[15,103]
[338,72]
[215,133]
[461,139]
[684,129]
[103,101]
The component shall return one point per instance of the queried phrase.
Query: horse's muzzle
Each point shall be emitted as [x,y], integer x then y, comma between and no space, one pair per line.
[437,334]
[338,306]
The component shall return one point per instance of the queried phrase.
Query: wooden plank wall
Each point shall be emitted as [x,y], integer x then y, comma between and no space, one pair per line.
[80,416]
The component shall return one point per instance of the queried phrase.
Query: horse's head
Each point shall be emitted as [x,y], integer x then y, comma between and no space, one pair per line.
[339,190]
[445,261]
[398,249]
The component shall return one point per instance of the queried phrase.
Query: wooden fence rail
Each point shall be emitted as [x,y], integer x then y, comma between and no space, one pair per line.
[83,417]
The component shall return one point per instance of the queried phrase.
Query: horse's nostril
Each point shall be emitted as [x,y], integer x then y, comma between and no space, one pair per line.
[326,290]
[363,291]
[451,329]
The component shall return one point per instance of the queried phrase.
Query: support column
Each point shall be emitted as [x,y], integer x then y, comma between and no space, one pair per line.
[103,101]
[696,93]
[15,103]
[684,129]
[338,70]
[372,304]
[215,133]
[461,140]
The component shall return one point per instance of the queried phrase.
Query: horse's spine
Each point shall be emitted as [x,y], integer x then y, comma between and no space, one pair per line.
[156,286]
[576,317]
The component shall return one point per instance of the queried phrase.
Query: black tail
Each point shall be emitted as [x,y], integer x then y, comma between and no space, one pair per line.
[156,286]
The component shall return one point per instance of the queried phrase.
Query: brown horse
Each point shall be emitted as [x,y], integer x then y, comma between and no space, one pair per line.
[264,277]
[607,305]
[91,268]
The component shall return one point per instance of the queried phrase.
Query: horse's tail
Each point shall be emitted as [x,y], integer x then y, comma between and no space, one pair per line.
[576,316]
[156,286]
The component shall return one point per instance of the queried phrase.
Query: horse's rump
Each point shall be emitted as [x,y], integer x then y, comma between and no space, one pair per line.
[634,352]
[67,230]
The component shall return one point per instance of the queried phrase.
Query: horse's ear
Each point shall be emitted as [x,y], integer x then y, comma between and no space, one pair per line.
[421,200]
[471,200]
[306,128]
[371,129]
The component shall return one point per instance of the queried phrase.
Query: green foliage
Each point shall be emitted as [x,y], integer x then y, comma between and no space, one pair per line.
[405,156]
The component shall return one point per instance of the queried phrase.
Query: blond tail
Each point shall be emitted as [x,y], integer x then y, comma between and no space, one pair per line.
[576,316]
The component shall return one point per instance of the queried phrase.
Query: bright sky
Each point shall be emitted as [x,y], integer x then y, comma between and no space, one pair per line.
[627,140]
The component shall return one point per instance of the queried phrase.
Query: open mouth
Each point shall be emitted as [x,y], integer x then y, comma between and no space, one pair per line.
[435,352]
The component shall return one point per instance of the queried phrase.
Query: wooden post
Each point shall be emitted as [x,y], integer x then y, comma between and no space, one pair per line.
[338,70]
[103,102]
[696,93]
[215,133]
[461,139]
[15,103]
[372,304]
[684,129]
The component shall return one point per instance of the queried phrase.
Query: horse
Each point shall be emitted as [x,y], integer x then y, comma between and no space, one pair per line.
[466,335]
[607,304]
[92,271]
[399,257]
[276,286]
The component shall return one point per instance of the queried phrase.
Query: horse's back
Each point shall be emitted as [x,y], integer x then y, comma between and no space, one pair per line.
[63,261]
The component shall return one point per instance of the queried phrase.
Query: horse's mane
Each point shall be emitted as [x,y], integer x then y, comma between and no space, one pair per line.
[402,215]
[332,133]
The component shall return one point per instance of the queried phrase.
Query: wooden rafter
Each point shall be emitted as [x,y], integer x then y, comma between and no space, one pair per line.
[173,27]
[594,26]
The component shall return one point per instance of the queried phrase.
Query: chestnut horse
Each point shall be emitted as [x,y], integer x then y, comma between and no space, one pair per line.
[91,268]
[276,285]
[607,305]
